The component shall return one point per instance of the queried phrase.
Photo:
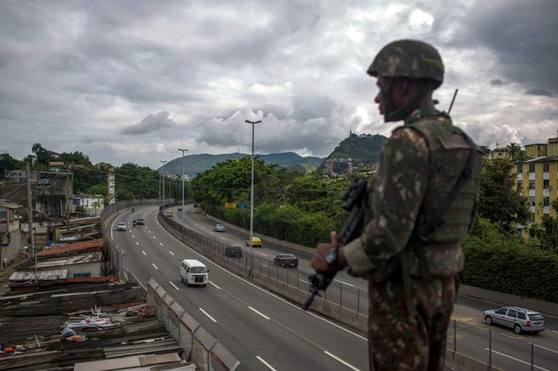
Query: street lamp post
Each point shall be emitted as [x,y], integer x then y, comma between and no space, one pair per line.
[253,123]
[182,150]
[163,176]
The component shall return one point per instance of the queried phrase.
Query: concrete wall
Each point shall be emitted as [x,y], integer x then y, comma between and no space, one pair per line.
[198,344]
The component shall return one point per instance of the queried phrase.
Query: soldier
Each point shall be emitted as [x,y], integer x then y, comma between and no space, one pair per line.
[420,207]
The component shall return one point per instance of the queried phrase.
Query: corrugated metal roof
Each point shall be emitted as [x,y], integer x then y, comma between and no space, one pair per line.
[9,205]
[53,275]
[76,259]
[72,248]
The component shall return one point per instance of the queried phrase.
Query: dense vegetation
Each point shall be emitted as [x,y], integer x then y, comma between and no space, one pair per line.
[304,208]
[288,205]
[132,181]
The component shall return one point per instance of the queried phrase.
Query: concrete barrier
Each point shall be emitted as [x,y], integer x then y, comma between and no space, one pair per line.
[197,343]
[503,299]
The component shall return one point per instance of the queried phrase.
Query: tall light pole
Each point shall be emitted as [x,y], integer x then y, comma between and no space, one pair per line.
[163,176]
[253,123]
[182,150]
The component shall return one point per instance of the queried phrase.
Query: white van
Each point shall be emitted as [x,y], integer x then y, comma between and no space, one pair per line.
[193,272]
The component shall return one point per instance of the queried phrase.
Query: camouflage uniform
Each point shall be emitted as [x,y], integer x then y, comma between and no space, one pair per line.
[419,166]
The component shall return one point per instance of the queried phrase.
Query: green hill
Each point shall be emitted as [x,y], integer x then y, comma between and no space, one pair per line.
[353,153]
[195,164]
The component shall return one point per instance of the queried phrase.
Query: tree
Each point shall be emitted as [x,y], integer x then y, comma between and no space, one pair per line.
[7,163]
[41,153]
[499,200]
[515,152]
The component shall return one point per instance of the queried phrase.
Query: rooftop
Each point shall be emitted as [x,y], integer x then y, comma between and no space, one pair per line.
[76,259]
[72,248]
[542,159]
[106,327]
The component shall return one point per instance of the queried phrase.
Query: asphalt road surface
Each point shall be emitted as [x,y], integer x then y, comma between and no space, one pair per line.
[266,332]
[261,329]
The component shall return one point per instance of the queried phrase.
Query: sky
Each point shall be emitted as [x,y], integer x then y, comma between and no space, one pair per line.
[133,81]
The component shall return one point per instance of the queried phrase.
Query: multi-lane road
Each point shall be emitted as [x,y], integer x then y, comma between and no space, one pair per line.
[261,329]
[266,332]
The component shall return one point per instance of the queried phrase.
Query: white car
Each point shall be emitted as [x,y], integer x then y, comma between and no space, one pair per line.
[121,226]
[193,272]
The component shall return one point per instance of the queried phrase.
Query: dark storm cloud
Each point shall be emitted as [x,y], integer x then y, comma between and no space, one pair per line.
[150,123]
[496,82]
[523,36]
[539,92]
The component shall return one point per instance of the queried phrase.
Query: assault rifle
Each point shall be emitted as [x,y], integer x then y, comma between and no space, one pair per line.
[353,201]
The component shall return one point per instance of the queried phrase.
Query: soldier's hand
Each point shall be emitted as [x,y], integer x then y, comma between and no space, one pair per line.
[319,262]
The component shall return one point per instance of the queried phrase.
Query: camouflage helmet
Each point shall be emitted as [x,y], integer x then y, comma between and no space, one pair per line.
[408,58]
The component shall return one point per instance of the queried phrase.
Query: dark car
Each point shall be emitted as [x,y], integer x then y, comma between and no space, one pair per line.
[233,252]
[286,260]
[140,221]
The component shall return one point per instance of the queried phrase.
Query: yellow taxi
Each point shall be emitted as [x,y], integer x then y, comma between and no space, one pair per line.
[256,242]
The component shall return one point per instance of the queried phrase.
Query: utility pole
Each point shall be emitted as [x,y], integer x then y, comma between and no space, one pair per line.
[163,176]
[67,200]
[30,220]
[253,123]
[182,150]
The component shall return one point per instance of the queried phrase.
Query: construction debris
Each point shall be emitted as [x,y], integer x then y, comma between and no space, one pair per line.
[85,327]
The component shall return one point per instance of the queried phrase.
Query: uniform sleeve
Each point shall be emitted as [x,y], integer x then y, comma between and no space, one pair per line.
[398,193]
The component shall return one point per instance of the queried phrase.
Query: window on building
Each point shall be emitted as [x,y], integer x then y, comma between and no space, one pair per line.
[531,218]
[531,168]
[546,183]
[519,168]
[546,166]
[519,185]
[546,201]
[531,200]
[531,184]
[82,274]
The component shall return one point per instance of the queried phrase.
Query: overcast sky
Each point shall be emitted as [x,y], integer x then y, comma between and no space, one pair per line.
[135,80]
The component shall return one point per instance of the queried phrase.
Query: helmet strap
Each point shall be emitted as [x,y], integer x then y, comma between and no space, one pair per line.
[392,114]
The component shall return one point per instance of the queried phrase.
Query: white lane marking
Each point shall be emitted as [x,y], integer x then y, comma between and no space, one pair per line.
[341,361]
[173,285]
[148,231]
[154,237]
[345,283]
[143,252]
[517,360]
[264,291]
[260,313]
[170,252]
[265,363]
[154,266]
[217,287]
[137,243]
[545,348]
[208,315]
[160,243]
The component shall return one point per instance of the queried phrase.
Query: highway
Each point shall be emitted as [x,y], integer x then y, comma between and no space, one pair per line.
[266,332]
[261,329]
[509,351]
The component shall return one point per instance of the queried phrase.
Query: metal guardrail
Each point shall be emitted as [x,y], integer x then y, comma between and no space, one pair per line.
[293,285]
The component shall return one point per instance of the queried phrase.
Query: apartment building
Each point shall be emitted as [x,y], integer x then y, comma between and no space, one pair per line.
[537,178]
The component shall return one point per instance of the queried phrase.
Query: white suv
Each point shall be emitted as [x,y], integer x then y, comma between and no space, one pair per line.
[520,319]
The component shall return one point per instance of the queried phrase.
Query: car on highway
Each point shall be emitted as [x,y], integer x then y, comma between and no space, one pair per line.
[219,227]
[519,319]
[233,252]
[286,260]
[121,226]
[193,272]
[256,242]
[140,221]
[169,213]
